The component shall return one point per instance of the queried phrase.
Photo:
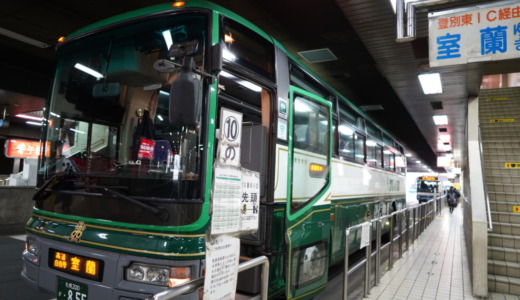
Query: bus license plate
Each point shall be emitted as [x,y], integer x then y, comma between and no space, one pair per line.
[71,290]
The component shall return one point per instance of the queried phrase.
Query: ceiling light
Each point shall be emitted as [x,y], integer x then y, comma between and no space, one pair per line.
[34,123]
[228,55]
[167,35]
[408,155]
[88,70]
[23,38]
[440,119]
[250,85]
[431,83]
[29,117]
[444,138]
[345,130]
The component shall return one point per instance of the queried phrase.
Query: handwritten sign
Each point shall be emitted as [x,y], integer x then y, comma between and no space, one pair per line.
[222,257]
[250,202]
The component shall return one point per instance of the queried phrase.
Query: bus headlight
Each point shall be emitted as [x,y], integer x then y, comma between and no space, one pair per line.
[31,246]
[32,250]
[158,275]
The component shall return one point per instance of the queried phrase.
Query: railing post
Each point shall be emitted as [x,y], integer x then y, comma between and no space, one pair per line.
[391,248]
[414,212]
[345,271]
[400,222]
[407,218]
[368,261]
[378,251]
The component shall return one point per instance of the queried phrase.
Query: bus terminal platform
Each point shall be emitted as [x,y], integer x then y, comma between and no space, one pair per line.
[435,267]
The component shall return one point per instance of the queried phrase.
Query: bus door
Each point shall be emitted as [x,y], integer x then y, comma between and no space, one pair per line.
[308,194]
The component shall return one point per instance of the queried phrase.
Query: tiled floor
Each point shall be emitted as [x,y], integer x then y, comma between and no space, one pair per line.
[435,266]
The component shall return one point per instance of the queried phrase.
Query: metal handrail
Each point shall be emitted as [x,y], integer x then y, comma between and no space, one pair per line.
[488,207]
[423,215]
[195,284]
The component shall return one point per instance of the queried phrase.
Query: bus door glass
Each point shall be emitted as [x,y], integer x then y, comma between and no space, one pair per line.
[308,206]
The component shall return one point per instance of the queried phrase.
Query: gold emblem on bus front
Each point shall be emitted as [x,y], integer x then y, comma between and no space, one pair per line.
[75,236]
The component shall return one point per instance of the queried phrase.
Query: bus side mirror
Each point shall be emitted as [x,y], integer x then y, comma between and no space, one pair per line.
[216,58]
[185,96]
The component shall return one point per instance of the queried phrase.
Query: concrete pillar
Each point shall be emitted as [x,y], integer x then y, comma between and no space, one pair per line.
[477,199]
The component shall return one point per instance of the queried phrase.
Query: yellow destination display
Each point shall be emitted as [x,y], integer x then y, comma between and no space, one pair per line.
[501,120]
[78,265]
[512,165]
[496,99]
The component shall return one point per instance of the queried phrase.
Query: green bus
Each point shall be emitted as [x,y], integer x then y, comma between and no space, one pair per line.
[132,126]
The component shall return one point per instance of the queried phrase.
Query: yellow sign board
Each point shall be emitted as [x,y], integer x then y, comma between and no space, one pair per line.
[516,209]
[501,120]
[497,99]
[512,165]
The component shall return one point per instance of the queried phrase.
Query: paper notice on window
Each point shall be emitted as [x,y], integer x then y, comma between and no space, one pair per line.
[222,258]
[250,200]
[227,192]
[365,235]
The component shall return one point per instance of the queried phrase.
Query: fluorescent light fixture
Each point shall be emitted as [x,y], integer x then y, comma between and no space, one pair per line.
[301,107]
[440,119]
[167,35]
[23,38]
[345,130]
[445,138]
[431,83]
[78,131]
[371,143]
[228,55]
[88,70]
[244,83]
[29,117]
[159,117]
[34,123]
[250,86]
[394,5]
[408,155]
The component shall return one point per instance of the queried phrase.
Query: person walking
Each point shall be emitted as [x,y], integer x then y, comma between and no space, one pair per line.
[452,197]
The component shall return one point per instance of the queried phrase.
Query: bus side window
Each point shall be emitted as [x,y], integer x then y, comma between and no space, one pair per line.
[346,138]
[359,147]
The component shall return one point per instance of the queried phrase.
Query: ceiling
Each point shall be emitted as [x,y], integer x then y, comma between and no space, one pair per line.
[372,68]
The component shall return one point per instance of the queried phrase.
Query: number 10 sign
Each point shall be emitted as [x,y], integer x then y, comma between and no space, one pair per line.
[230,137]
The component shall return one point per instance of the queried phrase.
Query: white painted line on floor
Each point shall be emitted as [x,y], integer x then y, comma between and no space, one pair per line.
[20,237]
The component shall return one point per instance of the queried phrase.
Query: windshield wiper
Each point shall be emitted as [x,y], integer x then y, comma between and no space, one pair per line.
[159,212]
[53,186]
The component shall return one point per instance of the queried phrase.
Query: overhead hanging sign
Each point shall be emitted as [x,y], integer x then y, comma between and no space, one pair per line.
[482,33]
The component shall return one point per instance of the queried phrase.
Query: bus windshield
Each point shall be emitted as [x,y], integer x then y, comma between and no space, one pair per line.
[120,149]
[427,185]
